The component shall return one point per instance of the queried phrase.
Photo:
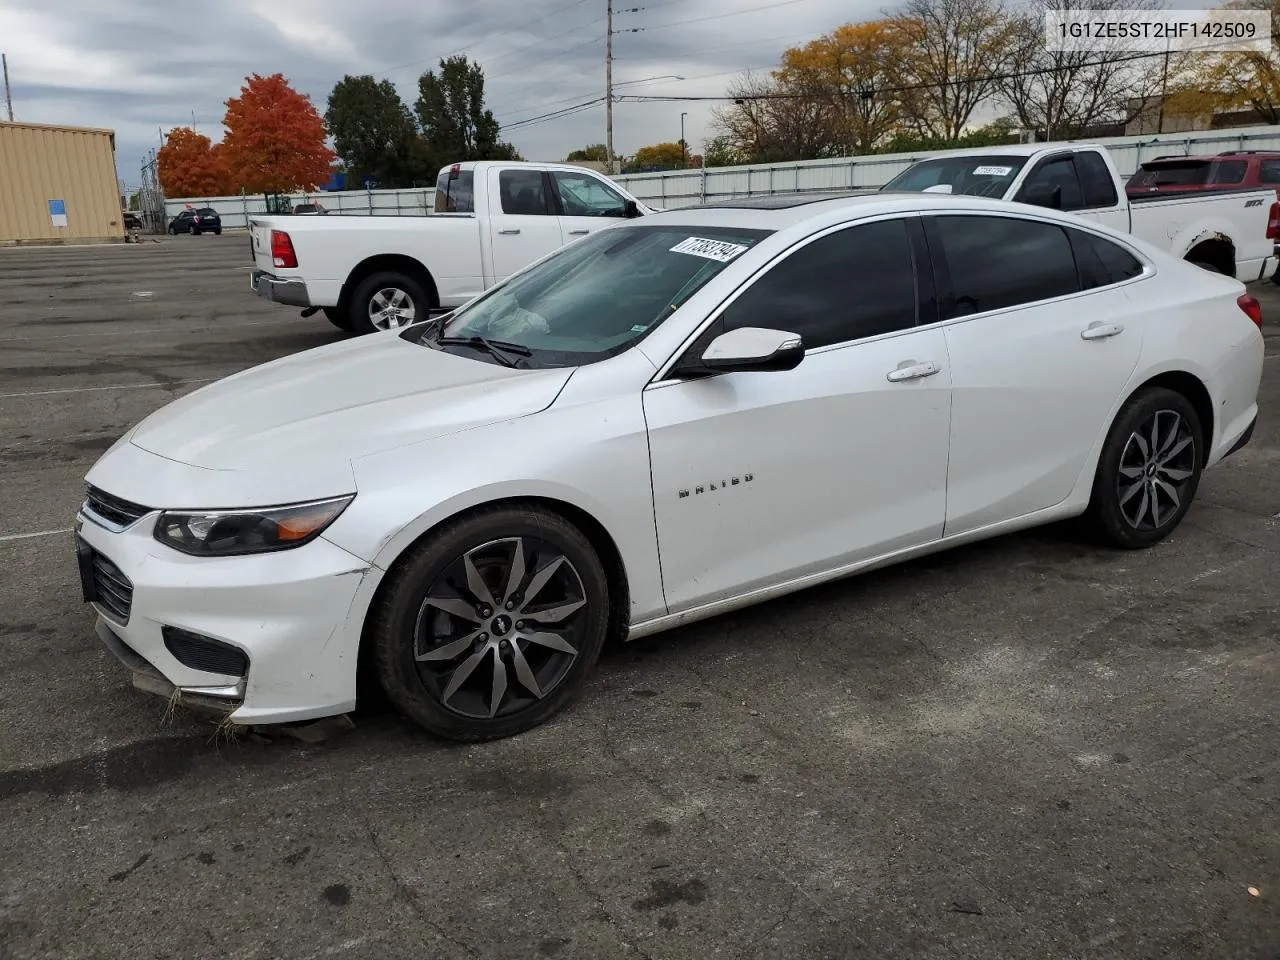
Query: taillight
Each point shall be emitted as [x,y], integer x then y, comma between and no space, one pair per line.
[1273,222]
[282,254]
[1251,307]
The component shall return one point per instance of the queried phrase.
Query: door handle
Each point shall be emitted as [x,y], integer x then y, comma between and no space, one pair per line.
[1100,331]
[509,233]
[578,233]
[910,370]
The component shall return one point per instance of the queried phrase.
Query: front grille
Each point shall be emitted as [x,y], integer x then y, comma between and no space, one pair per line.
[112,589]
[123,513]
[204,653]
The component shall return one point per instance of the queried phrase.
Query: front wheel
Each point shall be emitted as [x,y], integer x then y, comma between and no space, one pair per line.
[1149,470]
[492,625]
[387,301]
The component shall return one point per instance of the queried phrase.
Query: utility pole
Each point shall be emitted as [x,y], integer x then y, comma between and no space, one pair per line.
[8,96]
[608,87]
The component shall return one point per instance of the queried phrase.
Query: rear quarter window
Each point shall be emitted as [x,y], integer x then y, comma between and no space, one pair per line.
[1101,262]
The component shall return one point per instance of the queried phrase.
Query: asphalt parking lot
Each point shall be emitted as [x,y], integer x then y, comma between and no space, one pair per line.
[1027,748]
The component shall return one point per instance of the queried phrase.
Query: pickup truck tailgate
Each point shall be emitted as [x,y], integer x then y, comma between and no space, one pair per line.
[260,235]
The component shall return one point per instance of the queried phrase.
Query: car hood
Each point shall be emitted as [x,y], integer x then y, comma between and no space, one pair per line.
[339,403]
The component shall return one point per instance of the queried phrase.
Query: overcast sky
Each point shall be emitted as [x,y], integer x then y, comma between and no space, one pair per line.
[138,66]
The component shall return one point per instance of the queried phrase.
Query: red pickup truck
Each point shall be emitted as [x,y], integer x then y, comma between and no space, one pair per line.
[1232,170]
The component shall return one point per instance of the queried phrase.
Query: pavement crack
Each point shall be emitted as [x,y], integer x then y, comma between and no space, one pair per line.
[411,898]
[787,911]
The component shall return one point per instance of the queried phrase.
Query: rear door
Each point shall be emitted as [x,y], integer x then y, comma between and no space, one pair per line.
[523,226]
[585,203]
[1043,338]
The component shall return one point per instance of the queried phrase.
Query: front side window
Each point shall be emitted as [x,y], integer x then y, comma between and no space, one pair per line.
[985,175]
[455,192]
[998,262]
[523,193]
[582,195]
[594,298]
[858,282]
[1095,180]
[1050,177]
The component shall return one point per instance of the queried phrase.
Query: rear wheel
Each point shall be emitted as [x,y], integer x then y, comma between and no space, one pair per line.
[387,301]
[339,318]
[1206,266]
[492,625]
[217,232]
[1149,470]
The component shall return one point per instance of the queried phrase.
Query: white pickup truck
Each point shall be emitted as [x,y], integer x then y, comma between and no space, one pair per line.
[1233,232]
[491,219]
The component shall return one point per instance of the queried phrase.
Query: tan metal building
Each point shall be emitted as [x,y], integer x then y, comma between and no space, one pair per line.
[58,184]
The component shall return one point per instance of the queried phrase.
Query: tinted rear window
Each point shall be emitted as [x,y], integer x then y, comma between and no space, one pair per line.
[207,212]
[1035,262]
[455,192]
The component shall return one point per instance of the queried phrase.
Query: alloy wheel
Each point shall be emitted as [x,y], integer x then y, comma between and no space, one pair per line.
[1156,469]
[500,628]
[390,308]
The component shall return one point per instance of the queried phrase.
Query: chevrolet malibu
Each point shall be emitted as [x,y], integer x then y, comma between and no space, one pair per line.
[672,418]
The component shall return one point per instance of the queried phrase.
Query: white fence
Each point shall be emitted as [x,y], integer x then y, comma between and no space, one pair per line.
[236,211]
[677,188]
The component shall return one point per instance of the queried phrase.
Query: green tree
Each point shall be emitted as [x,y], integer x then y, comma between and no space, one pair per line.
[660,156]
[456,126]
[596,153]
[375,133]
[721,151]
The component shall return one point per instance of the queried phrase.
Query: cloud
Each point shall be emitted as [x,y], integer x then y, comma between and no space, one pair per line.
[143,66]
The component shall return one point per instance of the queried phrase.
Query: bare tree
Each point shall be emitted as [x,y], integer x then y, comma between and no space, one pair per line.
[952,51]
[768,122]
[1064,92]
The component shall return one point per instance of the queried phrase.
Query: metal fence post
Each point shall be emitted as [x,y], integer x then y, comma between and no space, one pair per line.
[703,194]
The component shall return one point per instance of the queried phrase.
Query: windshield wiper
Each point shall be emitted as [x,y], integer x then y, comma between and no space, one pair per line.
[498,349]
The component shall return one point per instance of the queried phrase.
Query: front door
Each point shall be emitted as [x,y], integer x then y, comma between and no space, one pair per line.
[586,204]
[762,478]
[1040,352]
[523,226]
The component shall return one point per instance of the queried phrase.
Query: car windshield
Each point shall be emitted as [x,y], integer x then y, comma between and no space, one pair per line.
[976,176]
[593,298]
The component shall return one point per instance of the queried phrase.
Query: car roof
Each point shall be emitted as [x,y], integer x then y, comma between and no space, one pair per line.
[780,211]
[1210,157]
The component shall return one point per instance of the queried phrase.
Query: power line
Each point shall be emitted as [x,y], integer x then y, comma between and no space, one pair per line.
[992,78]
[555,114]
[515,29]
[718,16]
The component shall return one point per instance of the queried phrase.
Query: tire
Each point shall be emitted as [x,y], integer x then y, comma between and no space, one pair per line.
[195,231]
[1207,266]
[339,318]
[392,288]
[450,694]
[217,231]
[1118,497]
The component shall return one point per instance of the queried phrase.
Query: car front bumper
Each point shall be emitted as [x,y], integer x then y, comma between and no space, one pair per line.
[295,616]
[291,292]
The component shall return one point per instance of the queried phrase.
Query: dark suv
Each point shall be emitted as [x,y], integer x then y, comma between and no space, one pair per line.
[1232,170]
[199,221]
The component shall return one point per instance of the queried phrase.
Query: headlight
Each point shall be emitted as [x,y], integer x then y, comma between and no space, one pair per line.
[228,533]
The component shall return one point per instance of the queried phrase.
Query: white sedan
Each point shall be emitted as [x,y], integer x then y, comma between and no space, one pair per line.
[669,419]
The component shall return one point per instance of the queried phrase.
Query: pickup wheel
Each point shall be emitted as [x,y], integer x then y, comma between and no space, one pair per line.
[386,301]
[339,318]
[1204,266]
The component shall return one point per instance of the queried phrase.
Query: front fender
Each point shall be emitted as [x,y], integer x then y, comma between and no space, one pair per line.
[592,456]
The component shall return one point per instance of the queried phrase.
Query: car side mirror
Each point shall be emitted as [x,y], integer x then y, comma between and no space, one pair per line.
[631,210]
[753,349]
[1050,197]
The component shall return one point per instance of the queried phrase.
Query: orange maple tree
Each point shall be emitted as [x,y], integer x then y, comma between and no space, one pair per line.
[192,166]
[275,138]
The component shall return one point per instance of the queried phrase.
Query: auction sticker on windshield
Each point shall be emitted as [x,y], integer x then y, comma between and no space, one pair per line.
[717,250]
[992,171]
